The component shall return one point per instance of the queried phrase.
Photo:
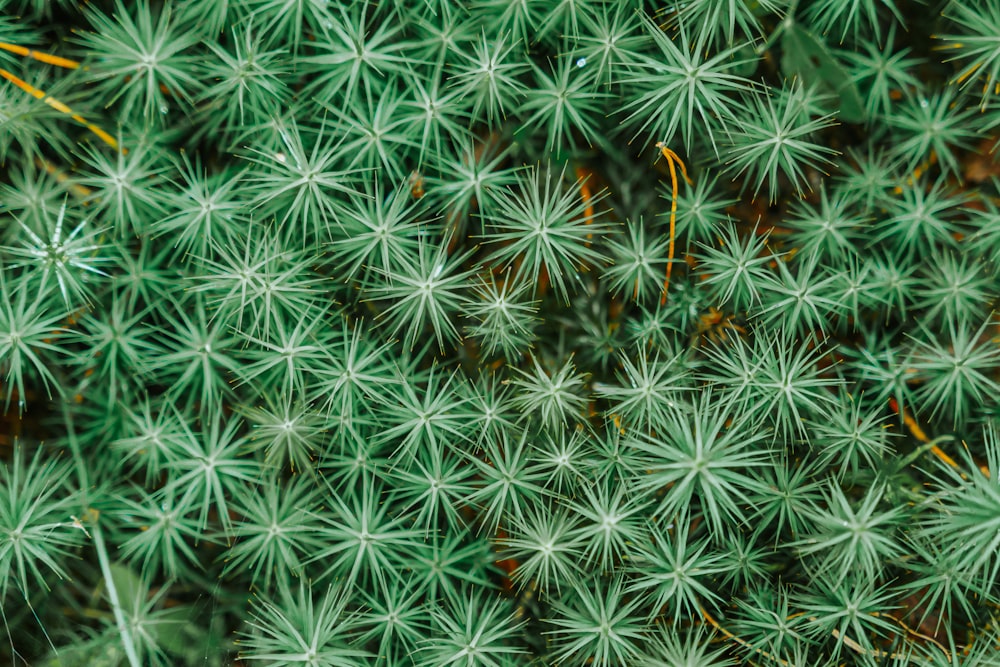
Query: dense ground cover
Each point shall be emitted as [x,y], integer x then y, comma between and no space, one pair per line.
[578,332]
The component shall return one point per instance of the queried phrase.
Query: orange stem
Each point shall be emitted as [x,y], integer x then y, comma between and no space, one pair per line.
[672,158]
[47,58]
[59,106]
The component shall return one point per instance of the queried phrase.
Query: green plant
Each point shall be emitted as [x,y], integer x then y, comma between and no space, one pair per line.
[956,375]
[931,122]
[303,627]
[471,632]
[296,179]
[774,137]
[807,291]
[852,540]
[124,186]
[550,398]
[974,42]
[637,263]
[882,69]
[28,330]
[62,257]
[566,100]
[148,47]
[853,606]
[246,81]
[600,624]
[545,227]
[853,16]
[679,84]
[504,317]
[38,532]
[386,333]
[703,460]
[679,570]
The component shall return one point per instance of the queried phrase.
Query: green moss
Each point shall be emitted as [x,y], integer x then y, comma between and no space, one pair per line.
[335,334]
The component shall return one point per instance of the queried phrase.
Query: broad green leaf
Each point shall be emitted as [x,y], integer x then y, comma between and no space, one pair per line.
[807,57]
